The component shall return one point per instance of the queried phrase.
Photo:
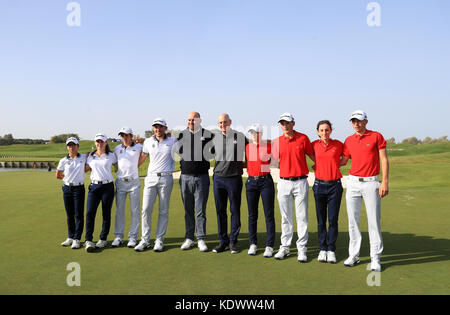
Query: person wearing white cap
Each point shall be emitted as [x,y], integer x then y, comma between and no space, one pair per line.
[158,182]
[291,149]
[259,184]
[367,150]
[71,170]
[127,182]
[101,190]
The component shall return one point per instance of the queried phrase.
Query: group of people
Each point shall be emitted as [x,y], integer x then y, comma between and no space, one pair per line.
[231,152]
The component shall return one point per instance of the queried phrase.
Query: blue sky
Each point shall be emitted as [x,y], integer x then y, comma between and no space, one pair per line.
[133,60]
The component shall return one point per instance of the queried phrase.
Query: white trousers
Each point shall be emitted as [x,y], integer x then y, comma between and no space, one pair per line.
[156,186]
[356,192]
[133,188]
[290,193]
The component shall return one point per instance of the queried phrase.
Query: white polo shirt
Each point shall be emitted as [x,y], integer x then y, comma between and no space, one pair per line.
[127,160]
[101,166]
[73,169]
[160,153]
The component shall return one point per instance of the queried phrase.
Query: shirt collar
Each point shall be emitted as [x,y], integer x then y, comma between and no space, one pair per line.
[195,132]
[132,145]
[366,133]
[68,156]
[154,138]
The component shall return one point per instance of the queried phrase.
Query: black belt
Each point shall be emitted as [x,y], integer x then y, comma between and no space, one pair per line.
[294,178]
[328,182]
[259,177]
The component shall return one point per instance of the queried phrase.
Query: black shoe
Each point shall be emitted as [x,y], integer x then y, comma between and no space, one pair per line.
[220,248]
[233,248]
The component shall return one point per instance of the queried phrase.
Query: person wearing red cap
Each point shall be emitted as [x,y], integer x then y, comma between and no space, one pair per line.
[291,150]
[367,150]
[327,189]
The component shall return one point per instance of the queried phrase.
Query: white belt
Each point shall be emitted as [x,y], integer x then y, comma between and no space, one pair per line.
[363,179]
[101,181]
[73,184]
[161,174]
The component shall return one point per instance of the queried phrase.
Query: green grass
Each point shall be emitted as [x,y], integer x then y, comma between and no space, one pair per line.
[416,259]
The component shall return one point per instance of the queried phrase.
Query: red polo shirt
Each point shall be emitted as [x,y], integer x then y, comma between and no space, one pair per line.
[364,152]
[258,158]
[291,153]
[328,158]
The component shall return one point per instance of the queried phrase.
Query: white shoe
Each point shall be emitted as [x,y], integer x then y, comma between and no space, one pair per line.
[131,243]
[159,246]
[331,257]
[90,247]
[202,246]
[302,256]
[375,265]
[67,242]
[252,250]
[101,244]
[282,253]
[322,256]
[76,244]
[117,242]
[188,244]
[268,252]
[351,261]
[142,246]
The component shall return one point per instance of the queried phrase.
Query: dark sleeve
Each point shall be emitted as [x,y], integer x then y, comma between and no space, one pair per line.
[179,149]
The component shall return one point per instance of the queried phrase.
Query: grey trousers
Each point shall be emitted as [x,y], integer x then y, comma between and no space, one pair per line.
[133,188]
[194,193]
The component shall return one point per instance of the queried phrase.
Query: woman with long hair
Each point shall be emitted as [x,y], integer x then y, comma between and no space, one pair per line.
[101,190]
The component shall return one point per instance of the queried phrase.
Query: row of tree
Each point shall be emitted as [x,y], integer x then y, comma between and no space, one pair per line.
[415,141]
[8,139]
[63,137]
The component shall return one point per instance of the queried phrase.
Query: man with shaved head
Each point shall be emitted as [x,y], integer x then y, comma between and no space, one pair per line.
[194,179]
[229,152]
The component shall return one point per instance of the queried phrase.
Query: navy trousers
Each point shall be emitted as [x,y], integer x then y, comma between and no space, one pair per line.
[103,193]
[328,201]
[74,203]
[228,188]
[264,188]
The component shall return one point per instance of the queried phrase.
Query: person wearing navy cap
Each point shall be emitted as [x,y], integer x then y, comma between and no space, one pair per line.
[71,171]
[101,190]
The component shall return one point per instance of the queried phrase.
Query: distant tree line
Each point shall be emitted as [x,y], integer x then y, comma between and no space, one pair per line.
[8,139]
[63,137]
[415,141]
